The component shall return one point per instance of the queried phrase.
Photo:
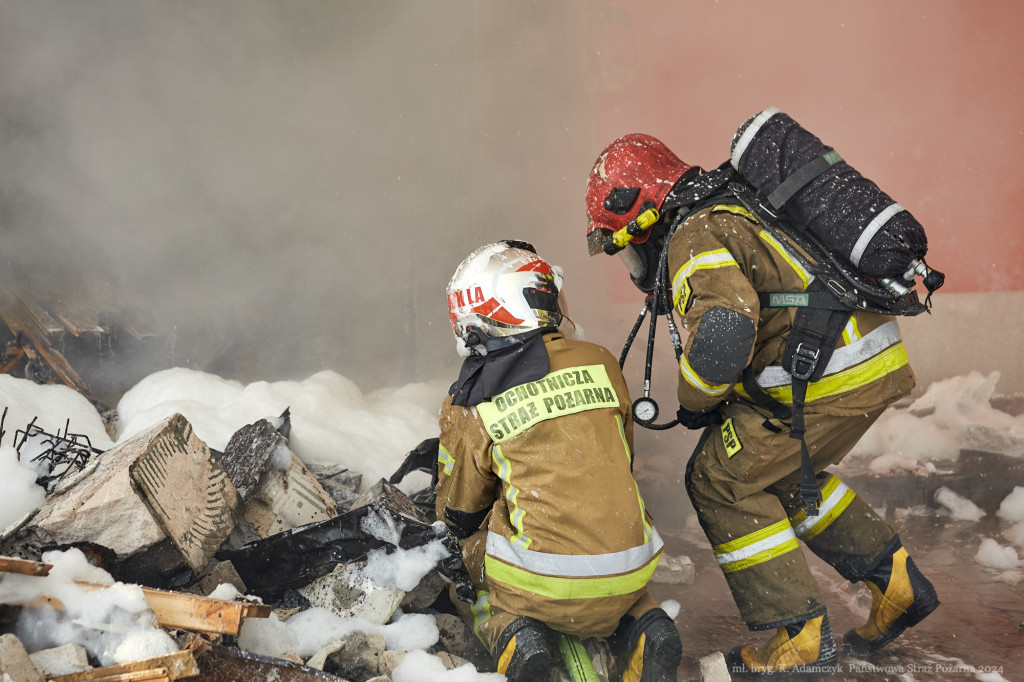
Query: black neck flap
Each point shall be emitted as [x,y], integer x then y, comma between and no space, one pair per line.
[485,376]
[696,185]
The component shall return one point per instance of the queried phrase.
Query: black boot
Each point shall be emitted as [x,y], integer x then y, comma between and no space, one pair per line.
[524,652]
[900,598]
[648,649]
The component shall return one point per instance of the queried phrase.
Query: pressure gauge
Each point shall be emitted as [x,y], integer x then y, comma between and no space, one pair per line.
[645,410]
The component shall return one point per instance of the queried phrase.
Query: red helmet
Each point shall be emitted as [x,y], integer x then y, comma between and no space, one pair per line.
[631,171]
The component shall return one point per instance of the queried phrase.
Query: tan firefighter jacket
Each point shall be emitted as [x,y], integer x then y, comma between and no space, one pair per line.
[719,259]
[568,539]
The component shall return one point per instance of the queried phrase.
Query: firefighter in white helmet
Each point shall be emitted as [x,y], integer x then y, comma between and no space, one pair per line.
[535,476]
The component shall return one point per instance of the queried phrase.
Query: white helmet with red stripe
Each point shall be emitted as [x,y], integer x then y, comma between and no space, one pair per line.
[502,290]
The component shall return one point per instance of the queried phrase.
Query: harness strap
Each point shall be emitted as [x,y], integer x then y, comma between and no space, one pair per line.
[808,299]
[811,344]
[761,398]
[798,180]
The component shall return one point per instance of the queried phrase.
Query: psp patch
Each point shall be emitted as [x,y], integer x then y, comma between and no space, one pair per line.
[730,440]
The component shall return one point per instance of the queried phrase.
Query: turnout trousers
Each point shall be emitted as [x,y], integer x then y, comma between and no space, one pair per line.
[488,621]
[744,481]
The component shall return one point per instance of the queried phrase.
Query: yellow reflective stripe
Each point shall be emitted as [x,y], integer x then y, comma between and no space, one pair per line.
[757,547]
[851,332]
[837,496]
[805,276]
[570,588]
[622,435]
[737,210]
[559,393]
[719,258]
[516,513]
[629,456]
[694,379]
[886,362]
[481,610]
[445,458]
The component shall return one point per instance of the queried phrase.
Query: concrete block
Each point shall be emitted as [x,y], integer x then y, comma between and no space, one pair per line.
[102,507]
[15,662]
[713,668]
[348,592]
[386,495]
[61,660]
[287,498]
[358,657]
[187,491]
[674,570]
[458,640]
[342,486]
[221,572]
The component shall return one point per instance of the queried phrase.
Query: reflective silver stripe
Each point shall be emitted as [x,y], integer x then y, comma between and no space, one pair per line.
[748,135]
[873,227]
[783,536]
[864,348]
[567,565]
[824,511]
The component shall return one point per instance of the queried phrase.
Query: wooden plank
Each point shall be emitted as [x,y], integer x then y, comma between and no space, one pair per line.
[154,675]
[17,320]
[176,666]
[202,614]
[173,609]
[80,320]
[9,564]
[135,324]
[40,315]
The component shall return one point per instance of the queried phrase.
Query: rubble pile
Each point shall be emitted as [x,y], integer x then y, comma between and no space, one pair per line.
[161,559]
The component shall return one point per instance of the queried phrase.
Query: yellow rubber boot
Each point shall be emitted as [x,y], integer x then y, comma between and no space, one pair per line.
[900,598]
[801,649]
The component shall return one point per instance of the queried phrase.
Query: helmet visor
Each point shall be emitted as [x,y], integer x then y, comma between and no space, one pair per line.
[596,238]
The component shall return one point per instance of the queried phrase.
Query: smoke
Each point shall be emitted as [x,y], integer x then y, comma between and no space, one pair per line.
[283,187]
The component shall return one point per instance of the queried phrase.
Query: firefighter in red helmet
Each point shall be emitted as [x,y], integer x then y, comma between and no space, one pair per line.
[535,477]
[650,208]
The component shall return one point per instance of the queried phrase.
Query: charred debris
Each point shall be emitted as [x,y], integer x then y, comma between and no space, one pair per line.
[264,534]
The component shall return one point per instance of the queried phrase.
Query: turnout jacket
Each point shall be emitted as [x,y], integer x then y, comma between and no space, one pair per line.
[546,468]
[719,259]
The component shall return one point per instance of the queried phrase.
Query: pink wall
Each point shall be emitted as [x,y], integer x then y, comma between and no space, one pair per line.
[925,97]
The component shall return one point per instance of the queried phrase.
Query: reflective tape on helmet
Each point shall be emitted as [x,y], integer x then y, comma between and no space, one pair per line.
[836,497]
[757,547]
[559,393]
